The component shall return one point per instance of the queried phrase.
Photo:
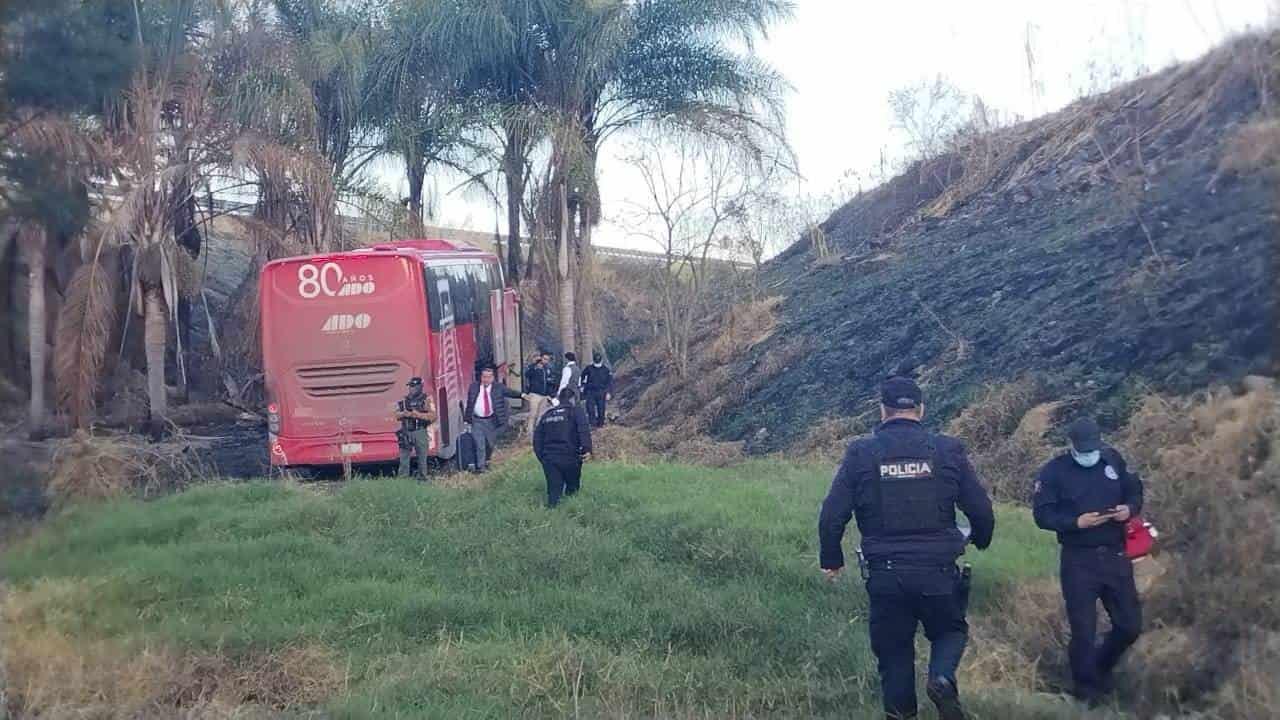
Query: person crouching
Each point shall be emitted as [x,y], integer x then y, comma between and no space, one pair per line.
[562,441]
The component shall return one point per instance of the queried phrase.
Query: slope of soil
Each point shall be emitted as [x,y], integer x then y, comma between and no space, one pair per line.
[1103,248]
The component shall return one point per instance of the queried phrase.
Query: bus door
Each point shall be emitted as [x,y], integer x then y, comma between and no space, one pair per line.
[447,363]
[506,336]
[511,331]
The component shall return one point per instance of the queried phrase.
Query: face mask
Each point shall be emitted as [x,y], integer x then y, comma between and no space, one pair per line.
[1088,459]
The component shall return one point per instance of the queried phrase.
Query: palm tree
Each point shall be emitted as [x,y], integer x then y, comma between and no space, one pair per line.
[418,98]
[504,45]
[614,65]
[329,44]
[49,203]
[59,60]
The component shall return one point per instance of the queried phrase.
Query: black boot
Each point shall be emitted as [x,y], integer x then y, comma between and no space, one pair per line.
[944,695]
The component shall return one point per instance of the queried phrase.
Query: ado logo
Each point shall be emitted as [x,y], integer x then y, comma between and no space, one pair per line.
[328,280]
[345,323]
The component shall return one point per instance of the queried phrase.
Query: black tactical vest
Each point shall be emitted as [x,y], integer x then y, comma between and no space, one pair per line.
[909,497]
[414,403]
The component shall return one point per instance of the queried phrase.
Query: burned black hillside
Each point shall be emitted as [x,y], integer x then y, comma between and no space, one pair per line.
[1124,243]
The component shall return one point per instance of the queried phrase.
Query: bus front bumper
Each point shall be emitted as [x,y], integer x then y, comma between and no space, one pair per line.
[360,449]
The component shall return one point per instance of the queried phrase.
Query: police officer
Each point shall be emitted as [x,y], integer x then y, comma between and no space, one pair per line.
[561,442]
[597,381]
[415,413]
[904,483]
[540,386]
[1086,495]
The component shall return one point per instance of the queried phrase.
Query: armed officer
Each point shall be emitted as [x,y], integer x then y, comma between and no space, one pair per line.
[904,483]
[1086,496]
[415,413]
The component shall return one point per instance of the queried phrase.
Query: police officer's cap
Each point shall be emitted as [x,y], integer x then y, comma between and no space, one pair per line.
[1085,435]
[415,382]
[901,392]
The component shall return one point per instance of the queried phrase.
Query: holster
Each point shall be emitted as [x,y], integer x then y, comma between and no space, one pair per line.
[403,440]
[863,570]
[963,586]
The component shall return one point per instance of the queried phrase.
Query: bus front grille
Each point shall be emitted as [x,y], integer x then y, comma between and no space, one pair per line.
[325,381]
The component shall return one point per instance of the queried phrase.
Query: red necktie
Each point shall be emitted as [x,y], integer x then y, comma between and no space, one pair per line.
[485,406]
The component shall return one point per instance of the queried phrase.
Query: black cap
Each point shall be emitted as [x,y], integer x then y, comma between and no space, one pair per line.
[1085,435]
[901,393]
[414,382]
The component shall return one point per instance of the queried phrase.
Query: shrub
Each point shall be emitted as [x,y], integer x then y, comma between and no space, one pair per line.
[100,467]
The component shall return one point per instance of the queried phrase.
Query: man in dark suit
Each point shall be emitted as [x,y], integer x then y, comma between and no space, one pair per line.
[487,412]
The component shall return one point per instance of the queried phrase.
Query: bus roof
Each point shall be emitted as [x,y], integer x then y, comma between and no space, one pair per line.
[418,249]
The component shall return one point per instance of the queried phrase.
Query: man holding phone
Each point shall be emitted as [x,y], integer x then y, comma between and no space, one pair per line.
[1086,495]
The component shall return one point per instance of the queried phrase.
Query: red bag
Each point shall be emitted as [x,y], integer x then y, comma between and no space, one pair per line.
[1139,538]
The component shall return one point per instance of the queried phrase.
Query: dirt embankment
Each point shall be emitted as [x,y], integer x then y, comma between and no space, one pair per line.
[1111,248]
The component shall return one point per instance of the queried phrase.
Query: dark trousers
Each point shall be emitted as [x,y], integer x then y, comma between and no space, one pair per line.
[564,477]
[595,407]
[1089,575]
[485,431]
[901,599]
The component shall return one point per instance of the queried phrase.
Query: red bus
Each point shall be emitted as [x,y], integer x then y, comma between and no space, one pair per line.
[342,334]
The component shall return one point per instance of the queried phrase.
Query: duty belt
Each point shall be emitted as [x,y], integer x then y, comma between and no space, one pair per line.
[1095,549]
[909,565]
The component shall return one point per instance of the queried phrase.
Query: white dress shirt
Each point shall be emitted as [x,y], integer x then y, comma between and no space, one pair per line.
[478,410]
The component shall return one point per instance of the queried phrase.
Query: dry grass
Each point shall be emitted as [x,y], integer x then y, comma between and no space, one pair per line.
[996,413]
[827,439]
[637,445]
[99,467]
[1211,464]
[744,327]
[678,413]
[1021,644]
[1255,146]
[56,675]
[1008,467]
[1005,430]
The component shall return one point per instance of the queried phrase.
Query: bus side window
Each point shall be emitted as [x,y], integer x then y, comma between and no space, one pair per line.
[463,294]
[439,300]
[480,281]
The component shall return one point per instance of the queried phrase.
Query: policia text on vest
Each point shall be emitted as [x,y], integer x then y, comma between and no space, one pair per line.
[904,485]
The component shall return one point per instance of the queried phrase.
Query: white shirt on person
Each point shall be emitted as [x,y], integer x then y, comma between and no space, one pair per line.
[565,374]
[478,410]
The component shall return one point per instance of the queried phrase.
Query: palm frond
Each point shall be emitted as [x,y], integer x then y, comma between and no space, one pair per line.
[85,323]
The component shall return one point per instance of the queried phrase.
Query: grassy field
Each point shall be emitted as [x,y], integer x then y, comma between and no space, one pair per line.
[661,591]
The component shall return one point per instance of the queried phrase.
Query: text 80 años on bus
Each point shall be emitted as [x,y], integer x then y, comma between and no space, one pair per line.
[328,280]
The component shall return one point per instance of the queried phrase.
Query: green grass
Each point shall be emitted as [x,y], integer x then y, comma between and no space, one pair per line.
[662,590]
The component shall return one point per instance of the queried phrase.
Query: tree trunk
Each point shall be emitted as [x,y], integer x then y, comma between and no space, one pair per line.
[33,243]
[586,299]
[568,338]
[513,170]
[155,321]
[416,174]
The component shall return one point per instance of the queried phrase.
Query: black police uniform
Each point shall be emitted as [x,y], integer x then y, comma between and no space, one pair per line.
[904,484]
[1093,565]
[412,435]
[537,380]
[597,380]
[561,439]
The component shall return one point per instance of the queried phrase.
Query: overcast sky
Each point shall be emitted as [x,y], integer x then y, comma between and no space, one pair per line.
[842,58]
